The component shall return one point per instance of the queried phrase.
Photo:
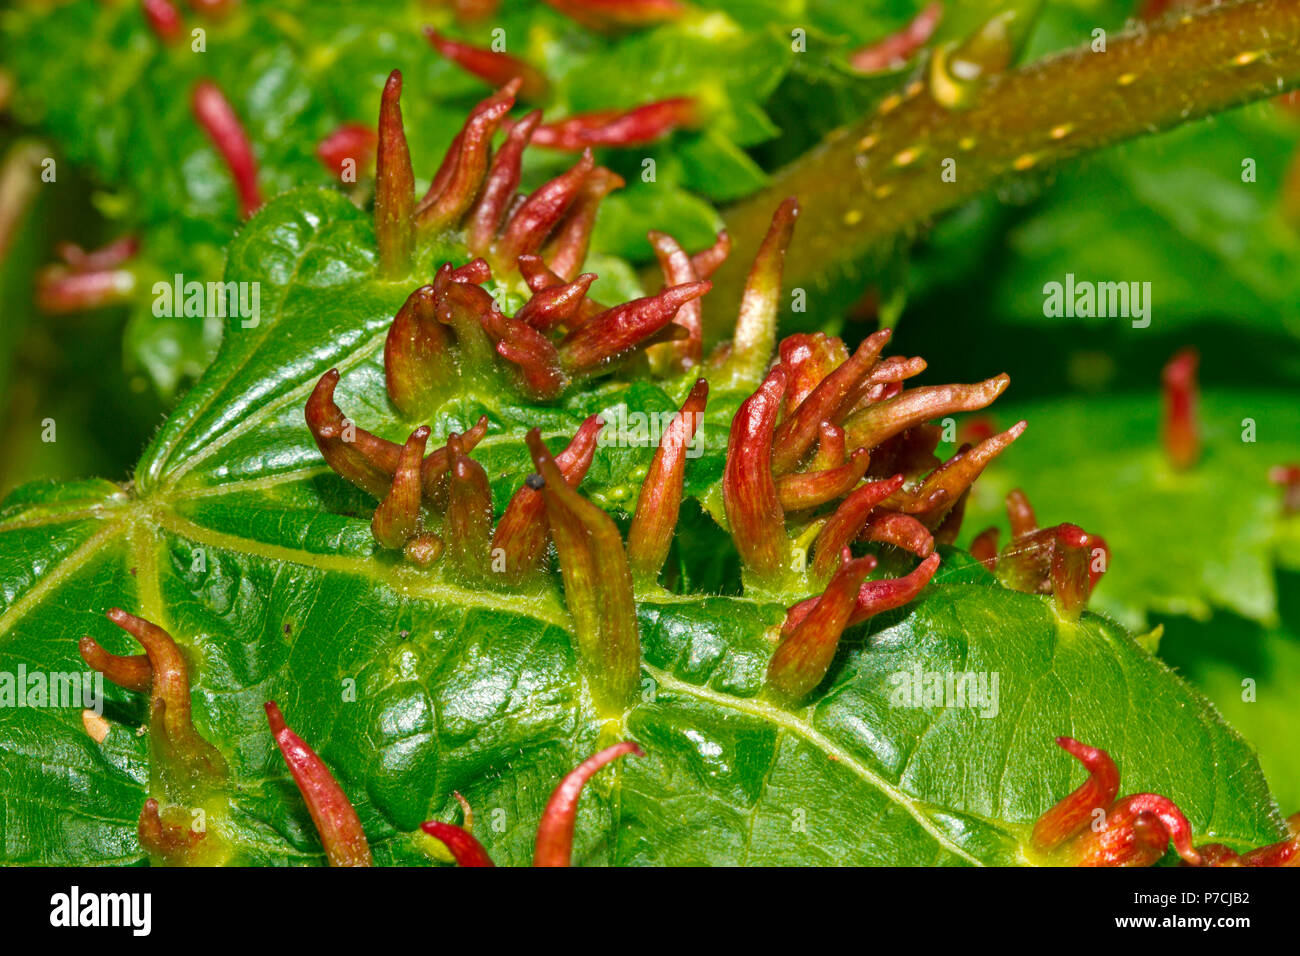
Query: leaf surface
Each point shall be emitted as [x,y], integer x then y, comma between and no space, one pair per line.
[236,539]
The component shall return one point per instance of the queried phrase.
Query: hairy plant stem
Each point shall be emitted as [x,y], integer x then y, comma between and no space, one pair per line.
[882,176]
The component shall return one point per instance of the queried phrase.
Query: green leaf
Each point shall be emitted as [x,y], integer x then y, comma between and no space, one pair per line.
[945,786]
[236,539]
[627,215]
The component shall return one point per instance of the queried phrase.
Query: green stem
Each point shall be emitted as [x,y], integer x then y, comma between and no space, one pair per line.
[882,176]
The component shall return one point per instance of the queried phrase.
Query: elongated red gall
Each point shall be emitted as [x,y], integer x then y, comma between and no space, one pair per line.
[1091,828]
[218,119]
[555,833]
[336,821]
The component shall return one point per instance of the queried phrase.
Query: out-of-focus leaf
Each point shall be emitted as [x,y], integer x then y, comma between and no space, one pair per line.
[1172,211]
[1181,542]
[1249,672]
[294,72]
